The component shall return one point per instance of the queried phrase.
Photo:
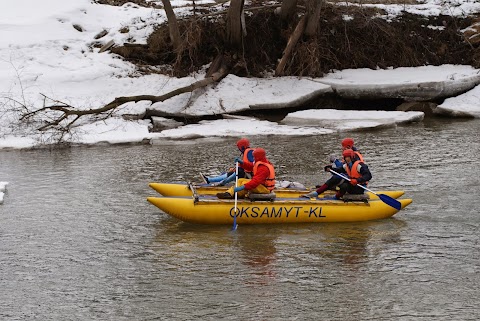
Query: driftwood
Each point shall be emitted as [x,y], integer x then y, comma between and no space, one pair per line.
[297,33]
[68,115]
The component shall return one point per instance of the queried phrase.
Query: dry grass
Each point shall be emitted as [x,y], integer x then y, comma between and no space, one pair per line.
[402,2]
[366,41]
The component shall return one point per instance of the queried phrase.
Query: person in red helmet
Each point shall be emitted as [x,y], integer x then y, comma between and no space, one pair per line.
[348,143]
[356,170]
[245,166]
[334,181]
[262,182]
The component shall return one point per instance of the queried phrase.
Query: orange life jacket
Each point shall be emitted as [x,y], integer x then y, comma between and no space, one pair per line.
[359,156]
[353,172]
[270,180]
[245,158]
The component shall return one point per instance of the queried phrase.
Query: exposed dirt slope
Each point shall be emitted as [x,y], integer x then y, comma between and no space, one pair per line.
[365,41]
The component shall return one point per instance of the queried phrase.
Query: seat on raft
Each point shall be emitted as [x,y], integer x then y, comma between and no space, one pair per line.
[262,197]
[356,198]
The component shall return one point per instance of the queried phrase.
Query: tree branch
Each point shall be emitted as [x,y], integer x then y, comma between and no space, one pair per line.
[62,112]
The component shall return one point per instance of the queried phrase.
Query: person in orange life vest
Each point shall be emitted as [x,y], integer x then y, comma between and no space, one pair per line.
[245,166]
[358,173]
[335,180]
[262,182]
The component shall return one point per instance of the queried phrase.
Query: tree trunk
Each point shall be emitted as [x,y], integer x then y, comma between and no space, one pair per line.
[287,10]
[314,8]
[172,25]
[297,33]
[234,24]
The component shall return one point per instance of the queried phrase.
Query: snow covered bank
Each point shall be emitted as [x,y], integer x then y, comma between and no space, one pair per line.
[3,186]
[466,105]
[235,94]
[411,84]
[351,119]
[54,50]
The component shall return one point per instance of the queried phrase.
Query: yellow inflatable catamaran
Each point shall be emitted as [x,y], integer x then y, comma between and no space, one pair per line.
[208,209]
[185,189]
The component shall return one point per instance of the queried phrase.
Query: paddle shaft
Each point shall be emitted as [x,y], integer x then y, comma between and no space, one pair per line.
[236,198]
[384,198]
[348,179]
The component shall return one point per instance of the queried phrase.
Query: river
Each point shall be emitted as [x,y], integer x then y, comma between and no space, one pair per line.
[78,241]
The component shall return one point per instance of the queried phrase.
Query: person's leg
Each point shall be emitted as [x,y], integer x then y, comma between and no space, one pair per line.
[216,179]
[334,181]
[355,189]
[241,173]
[226,177]
[260,189]
[230,178]
[343,187]
[230,193]
[331,183]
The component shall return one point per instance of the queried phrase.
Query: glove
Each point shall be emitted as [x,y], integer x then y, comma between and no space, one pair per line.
[332,158]
[239,188]
[310,195]
[327,168]
[238,160]
[353,181]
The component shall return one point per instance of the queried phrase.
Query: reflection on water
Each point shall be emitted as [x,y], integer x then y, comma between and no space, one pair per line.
[79,241]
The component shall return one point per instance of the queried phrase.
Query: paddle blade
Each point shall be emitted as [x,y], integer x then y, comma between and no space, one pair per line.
[390,201]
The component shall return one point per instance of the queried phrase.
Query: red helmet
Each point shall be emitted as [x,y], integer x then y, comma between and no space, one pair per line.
[243,144]
[347,143]
[348,153]
[259,154]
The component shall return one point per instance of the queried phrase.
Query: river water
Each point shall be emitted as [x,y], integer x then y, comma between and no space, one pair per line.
[78,241]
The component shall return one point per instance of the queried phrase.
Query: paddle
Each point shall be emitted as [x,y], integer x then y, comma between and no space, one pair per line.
[385,198]
[234,227]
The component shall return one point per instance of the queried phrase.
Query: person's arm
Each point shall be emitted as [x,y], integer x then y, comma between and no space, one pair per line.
[337,164]
[259,177]
[365,172]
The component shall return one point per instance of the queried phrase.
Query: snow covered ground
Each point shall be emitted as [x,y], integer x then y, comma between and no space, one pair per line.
[49,47]
[3,187]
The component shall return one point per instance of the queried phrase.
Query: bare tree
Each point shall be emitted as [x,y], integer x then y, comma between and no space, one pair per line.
[234,24]
[172,25]
[308,25]
[297,33]
[288,9]
[314,8]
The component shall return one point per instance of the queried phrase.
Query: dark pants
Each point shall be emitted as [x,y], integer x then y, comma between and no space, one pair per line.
[333,181]
[346,187]
[241,173]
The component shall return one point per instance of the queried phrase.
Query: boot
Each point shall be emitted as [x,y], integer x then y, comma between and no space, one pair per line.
[225,195]
[205,178]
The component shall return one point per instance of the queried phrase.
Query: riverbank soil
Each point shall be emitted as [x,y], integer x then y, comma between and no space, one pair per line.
[353,36]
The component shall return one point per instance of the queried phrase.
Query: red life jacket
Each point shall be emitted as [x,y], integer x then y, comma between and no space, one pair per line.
[270,180]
